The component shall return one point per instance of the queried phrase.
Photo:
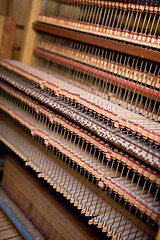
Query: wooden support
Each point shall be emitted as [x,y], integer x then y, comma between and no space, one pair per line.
[30,35]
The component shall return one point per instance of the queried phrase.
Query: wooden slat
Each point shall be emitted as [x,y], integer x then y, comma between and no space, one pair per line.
[99,42]
[7,229]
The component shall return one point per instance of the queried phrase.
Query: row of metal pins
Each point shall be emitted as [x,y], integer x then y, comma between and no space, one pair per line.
[114,18]
[128,101]
[110,227]
[151,145]
[59,41]
[42,119]
[128,94]
[120,221]
[98,159]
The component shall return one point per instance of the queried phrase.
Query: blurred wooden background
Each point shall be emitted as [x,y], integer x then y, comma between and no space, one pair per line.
[20,11]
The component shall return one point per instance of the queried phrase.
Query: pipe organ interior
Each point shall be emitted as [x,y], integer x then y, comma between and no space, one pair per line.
[84,115]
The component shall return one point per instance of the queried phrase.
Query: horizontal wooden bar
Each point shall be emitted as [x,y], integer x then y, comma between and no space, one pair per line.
[99,42]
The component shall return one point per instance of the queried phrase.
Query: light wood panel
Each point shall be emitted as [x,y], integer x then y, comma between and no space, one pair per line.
[30,35]
[19,9]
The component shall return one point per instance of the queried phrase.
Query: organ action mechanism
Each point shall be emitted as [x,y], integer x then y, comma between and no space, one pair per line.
[84,115]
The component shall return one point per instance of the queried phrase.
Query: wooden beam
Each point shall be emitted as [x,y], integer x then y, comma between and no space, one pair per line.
[30,34]
[99,42]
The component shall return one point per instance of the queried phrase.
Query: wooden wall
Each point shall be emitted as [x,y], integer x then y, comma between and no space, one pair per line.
[20,10]
[3,7]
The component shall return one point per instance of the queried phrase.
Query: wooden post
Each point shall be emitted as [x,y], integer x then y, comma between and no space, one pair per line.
[30,34]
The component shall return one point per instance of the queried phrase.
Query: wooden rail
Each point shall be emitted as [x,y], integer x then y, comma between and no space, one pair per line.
[99,42]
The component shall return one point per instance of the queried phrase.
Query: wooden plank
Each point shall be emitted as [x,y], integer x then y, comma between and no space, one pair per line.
[99,42]
[9,233]
[5,226]
[3,8]
[1,28]
[5,223]
[29,34]
[7,37]
[2,219]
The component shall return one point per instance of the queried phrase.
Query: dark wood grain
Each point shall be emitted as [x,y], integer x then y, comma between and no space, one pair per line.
[99,42]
